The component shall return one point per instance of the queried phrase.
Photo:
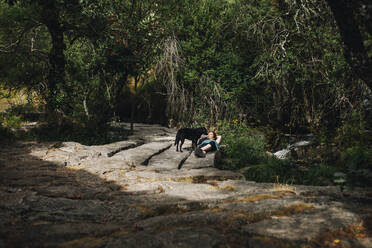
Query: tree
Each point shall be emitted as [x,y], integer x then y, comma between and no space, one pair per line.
[131,46]
[204,62]
[63,19]
[345,12]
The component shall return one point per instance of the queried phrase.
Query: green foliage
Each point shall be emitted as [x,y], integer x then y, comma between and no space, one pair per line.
[243,146]
[8,123]
[215,59]
[355,143]
[10,120]
[275,62]
[340,178]
[358,165]
[285,171]
[271,169]
[357,158]
[244,150]
[319,174]
[353,132]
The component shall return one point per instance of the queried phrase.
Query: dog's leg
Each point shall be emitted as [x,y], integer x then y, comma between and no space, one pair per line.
[182,141]
[193,145]
[177,141]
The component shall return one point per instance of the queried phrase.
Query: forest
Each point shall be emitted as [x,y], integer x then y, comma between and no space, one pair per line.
[263,74]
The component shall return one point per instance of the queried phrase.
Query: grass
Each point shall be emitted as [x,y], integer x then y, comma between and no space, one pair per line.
[292,209]
[282,187]
[227,188]
[260,197]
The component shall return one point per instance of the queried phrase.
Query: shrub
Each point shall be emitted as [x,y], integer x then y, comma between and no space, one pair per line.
[319,174]
[358,163]
[285,171]
[10,121]
[244,150]
[270,170]
[353,132]
[242,146]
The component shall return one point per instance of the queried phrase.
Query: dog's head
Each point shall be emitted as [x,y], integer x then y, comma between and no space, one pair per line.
[203,130]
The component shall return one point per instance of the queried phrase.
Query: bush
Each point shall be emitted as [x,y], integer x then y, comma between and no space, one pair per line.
[270,170]
[10,121]
[245,150]
[358,165]
[320,174]
[353,132]
[354,140]
[242,146]
[285,171]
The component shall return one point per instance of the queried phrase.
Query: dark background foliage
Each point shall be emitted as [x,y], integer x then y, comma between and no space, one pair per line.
[264,68]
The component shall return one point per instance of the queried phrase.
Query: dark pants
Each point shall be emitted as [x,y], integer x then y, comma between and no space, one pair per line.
[213,148]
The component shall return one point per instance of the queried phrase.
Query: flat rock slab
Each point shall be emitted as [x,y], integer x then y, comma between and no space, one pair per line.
[72,153]
[141,155]
[177,237]
[302,228]
[190,176]
[168,160]
[142,193]
[194,162]
[186,191]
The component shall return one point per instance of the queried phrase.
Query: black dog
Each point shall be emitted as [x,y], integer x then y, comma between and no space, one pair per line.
[192,134]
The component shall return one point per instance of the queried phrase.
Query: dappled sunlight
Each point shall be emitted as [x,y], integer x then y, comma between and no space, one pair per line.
[68,195]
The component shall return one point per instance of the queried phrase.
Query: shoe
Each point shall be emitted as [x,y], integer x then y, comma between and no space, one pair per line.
[199,153]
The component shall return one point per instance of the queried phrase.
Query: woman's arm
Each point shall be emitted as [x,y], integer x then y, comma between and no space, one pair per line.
[219,138]
[201,140]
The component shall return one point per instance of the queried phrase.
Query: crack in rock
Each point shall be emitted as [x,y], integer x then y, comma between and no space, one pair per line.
[146,162]
[184,160]
[110,154]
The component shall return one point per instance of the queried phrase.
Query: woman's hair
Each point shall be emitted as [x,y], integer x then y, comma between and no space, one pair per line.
[214,134]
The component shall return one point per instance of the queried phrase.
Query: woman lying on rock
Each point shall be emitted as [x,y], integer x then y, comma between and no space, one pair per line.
[209,143]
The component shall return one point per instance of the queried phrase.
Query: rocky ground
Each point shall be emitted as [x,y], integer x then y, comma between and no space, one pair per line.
[142,193]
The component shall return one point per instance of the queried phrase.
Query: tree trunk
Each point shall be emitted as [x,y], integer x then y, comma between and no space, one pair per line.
[133,109]
[57,62]
[354,52]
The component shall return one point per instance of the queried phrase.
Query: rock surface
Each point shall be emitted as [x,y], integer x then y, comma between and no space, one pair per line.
[142,193]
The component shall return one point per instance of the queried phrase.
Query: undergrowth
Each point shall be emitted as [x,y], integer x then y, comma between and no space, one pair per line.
[244,150]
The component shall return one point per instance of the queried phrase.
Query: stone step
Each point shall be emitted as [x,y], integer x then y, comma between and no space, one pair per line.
[72,153]
[190,176]
[168,160]
[194,162]
[141,155]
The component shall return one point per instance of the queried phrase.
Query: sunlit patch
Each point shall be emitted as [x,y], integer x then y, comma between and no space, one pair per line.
[260,197]
[292,209]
